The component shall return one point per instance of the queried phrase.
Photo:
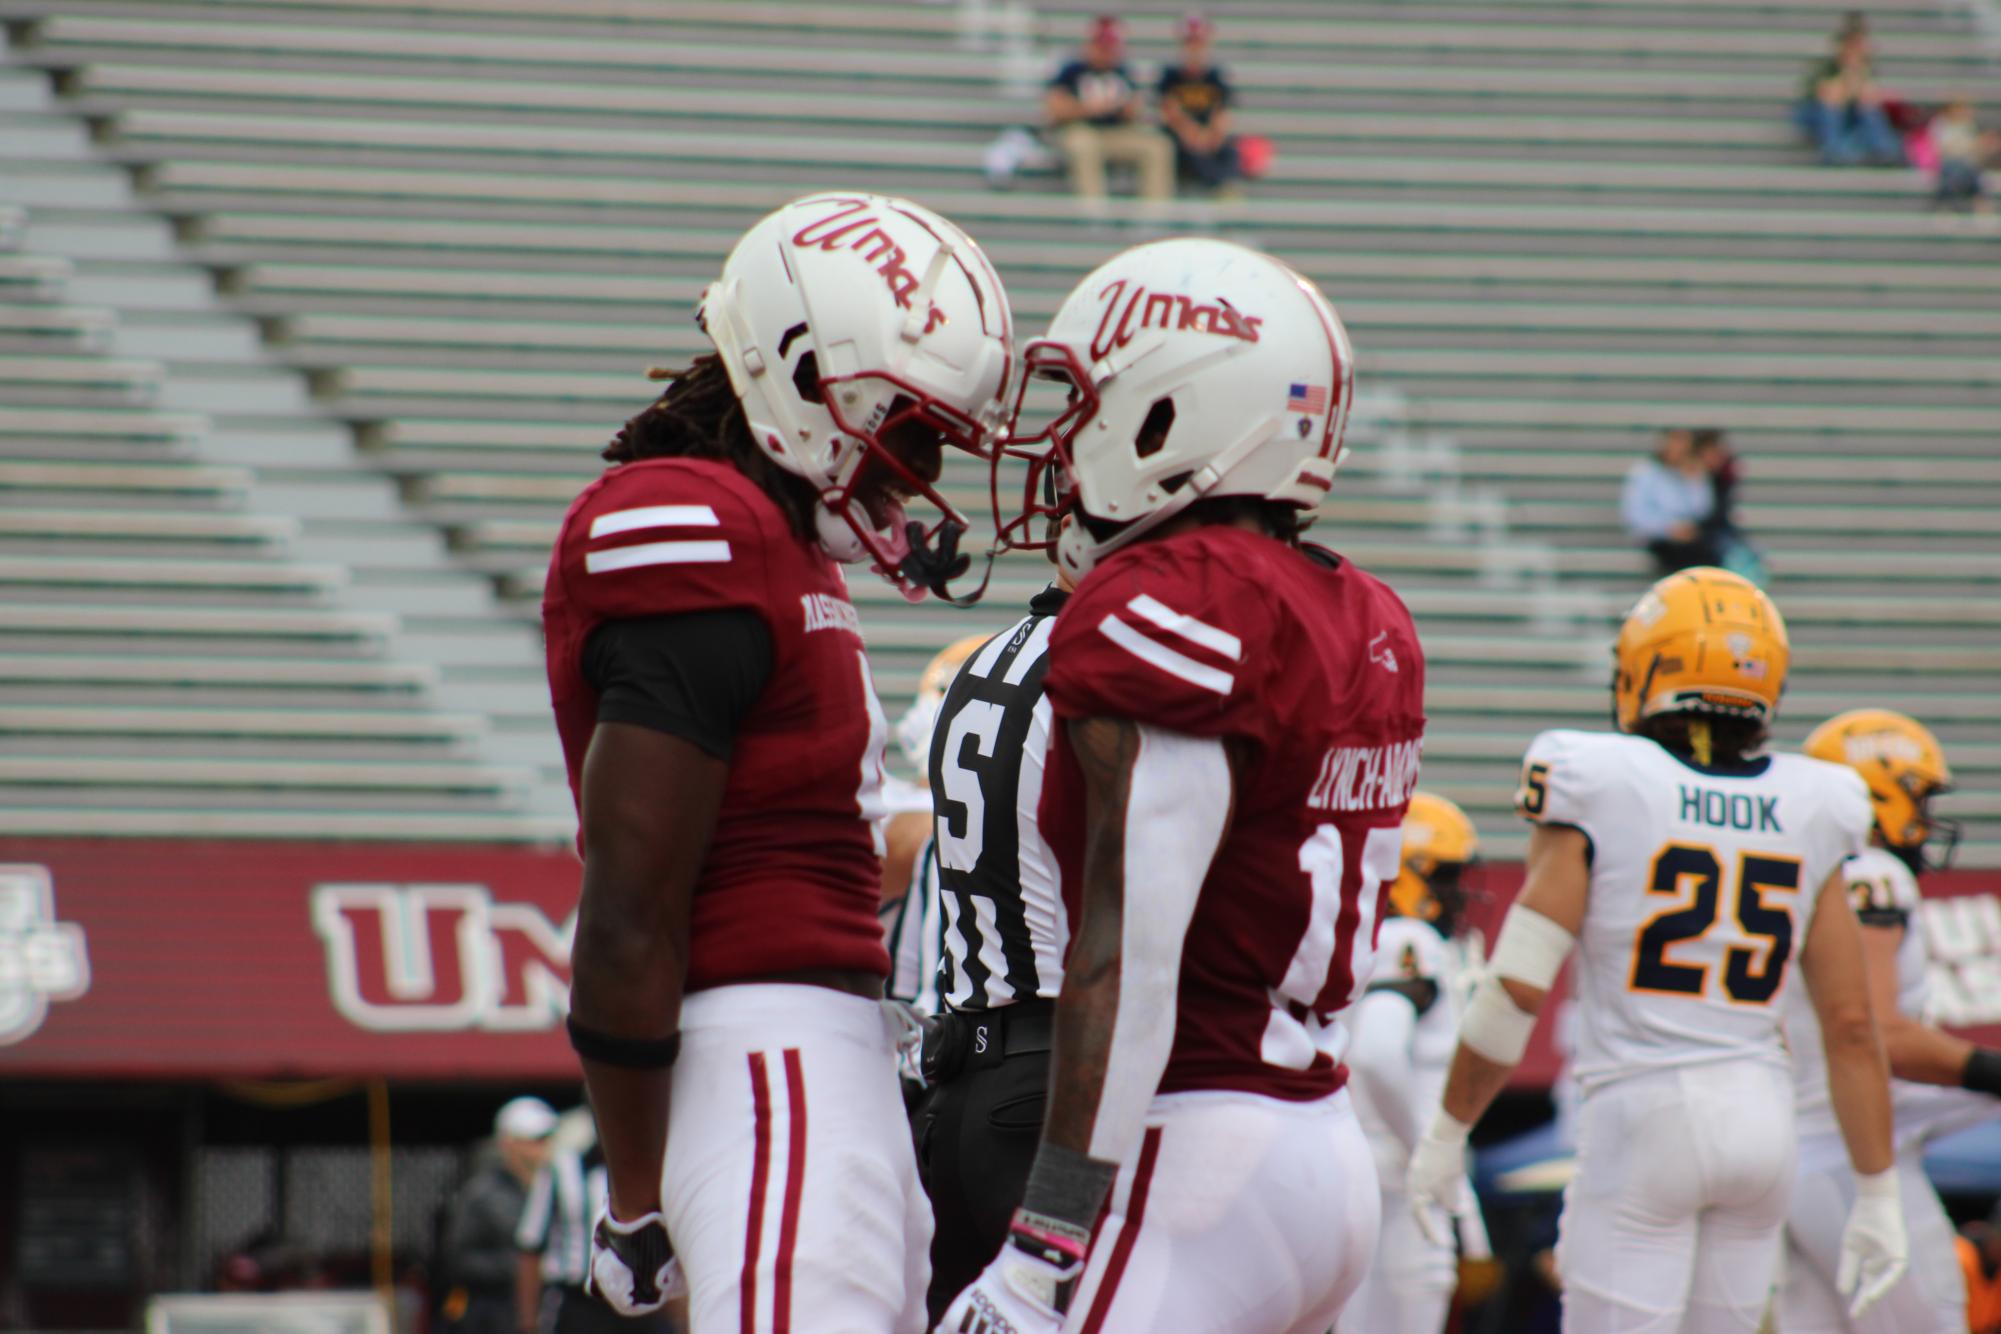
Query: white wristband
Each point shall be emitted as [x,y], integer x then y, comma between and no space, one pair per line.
[1877,1185]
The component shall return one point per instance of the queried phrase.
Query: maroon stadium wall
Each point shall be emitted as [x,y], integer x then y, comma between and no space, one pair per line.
[183,959]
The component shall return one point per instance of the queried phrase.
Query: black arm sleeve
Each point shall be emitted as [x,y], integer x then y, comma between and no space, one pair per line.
[694,675]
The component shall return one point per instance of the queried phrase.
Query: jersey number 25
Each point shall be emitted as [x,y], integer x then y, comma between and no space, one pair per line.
[1754,967]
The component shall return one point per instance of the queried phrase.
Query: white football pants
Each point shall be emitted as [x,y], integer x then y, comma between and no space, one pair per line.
[1674,1220]
[1408,1289]
[1929,1299]
[791,1189]
[1236,1214]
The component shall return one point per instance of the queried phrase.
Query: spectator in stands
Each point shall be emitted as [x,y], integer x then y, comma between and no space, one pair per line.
[1842,109]
[1094,110]
[1734,551]
[477,1261]
[1195,107]
[1962,151]
[1667,503]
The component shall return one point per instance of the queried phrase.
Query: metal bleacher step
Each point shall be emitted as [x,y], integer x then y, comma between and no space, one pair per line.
[141,285]
[364,545]
[300,442]
[23,90]
[41,330]
[37,135]
[34,278]
[252,823]
[120,234]
[259,775]
[33,183]
[392,726]
[233,389]
[350,633]
[186,339]
[168,484]
[159,576]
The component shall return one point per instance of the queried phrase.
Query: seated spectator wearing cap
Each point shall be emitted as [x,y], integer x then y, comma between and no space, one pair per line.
[1195,103]
[1093,107]
[477,1262]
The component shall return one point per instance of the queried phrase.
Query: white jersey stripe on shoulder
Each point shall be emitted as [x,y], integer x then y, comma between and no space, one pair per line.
[983,661]
[654,516]
[657,553]
[1037,645]
[1156,654]
[1190,629]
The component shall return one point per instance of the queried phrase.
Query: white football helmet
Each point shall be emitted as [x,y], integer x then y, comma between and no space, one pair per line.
[841,317]
[1196,368]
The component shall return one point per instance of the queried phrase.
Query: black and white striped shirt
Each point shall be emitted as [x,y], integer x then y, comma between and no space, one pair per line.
[914,933]
[562,1206]
[1003,921]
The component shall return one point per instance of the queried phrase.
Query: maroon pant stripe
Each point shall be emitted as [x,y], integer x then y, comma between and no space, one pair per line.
[1122,1249]
[760,1176]
[795,1189]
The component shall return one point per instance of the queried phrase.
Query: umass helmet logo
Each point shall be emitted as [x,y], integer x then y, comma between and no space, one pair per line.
[441,958]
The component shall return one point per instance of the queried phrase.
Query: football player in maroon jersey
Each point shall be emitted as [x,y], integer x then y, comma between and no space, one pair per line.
[1239,716]
[724,745]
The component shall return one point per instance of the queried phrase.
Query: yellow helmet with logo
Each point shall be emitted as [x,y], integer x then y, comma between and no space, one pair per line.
[1703,641]
[1438,843]
[1903,766]
[913,729]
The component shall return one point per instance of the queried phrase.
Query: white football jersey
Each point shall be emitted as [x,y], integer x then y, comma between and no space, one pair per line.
[1703,883]
[1408,950]
[1885,894]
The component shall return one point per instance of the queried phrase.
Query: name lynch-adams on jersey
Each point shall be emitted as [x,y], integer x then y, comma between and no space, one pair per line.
[1366,778]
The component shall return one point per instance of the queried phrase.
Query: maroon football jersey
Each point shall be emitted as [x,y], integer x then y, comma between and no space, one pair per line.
[1312,672]
[791,880]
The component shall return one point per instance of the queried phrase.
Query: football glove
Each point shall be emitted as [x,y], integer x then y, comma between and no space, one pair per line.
[1874,1249]
[1026,1290]
[1437,1180]
[633,1267]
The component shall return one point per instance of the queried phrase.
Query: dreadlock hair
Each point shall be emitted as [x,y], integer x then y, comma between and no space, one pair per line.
[699,417]
[1274,518]
[1706,738]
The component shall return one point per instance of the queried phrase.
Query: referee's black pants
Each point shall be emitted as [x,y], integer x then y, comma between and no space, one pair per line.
[571,1310]
[977,1130]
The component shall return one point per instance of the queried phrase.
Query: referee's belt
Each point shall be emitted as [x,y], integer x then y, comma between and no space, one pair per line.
[977,1039]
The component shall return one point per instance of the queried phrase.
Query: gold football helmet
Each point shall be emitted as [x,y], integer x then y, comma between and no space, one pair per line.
[1703,641]
[913,729]
[1439,842]
[1904,767]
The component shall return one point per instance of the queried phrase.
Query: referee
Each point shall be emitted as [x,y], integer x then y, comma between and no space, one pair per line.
[1001,914]
[554,1238]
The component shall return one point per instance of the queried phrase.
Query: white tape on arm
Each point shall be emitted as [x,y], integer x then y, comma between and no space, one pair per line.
[1531,951]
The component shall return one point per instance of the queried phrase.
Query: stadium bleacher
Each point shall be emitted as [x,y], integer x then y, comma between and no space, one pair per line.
[314,314]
